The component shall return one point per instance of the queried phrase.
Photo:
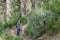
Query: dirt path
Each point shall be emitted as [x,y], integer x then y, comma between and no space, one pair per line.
[1,38]
[22,34]
[48,37]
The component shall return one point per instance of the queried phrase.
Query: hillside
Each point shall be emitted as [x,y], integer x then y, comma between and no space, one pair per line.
[29,19]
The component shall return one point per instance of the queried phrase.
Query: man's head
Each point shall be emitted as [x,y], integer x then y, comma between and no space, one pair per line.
[18,20]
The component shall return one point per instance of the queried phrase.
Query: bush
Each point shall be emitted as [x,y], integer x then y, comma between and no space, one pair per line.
[53,24]
[36,22]
[53,5]
[49,24]
[9,24]
[10,37]
[14,15]
[23,19]
[18,38]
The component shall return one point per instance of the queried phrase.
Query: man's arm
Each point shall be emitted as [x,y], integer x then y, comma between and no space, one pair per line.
[21,26]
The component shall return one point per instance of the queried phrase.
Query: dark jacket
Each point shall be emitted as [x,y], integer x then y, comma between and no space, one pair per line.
[18,25]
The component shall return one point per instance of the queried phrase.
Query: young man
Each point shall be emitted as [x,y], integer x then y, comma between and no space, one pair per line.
[18,27]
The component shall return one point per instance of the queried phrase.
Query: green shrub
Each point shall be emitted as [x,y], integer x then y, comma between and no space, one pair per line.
[18,38]
[9,24]
[53,5]
[49,24]
[13,18]
[36,26]
[53,24]
[10,37]
[23,19]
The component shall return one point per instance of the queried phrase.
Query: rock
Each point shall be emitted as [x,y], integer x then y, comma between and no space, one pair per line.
[7,31]
[1,38]
[41,38]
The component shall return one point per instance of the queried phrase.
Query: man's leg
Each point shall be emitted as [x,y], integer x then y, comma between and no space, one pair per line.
[18,32]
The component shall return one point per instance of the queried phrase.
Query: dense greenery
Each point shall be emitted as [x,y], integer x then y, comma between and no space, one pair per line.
[54,6]
[53,25]
[10,37]
[15,15]
[38,22]
[23,19]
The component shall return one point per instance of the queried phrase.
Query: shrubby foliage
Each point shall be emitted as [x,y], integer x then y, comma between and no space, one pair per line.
[52,24]
[53,5]
[10,37]
[15,15]
[23,19]
[38,22]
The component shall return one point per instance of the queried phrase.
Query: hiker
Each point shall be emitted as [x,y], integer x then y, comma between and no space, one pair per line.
[18,27]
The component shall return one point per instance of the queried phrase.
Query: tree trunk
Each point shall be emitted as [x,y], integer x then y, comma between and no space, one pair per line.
[8,9]
[33,4]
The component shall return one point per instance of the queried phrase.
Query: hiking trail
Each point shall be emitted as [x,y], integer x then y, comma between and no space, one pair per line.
[22,34]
